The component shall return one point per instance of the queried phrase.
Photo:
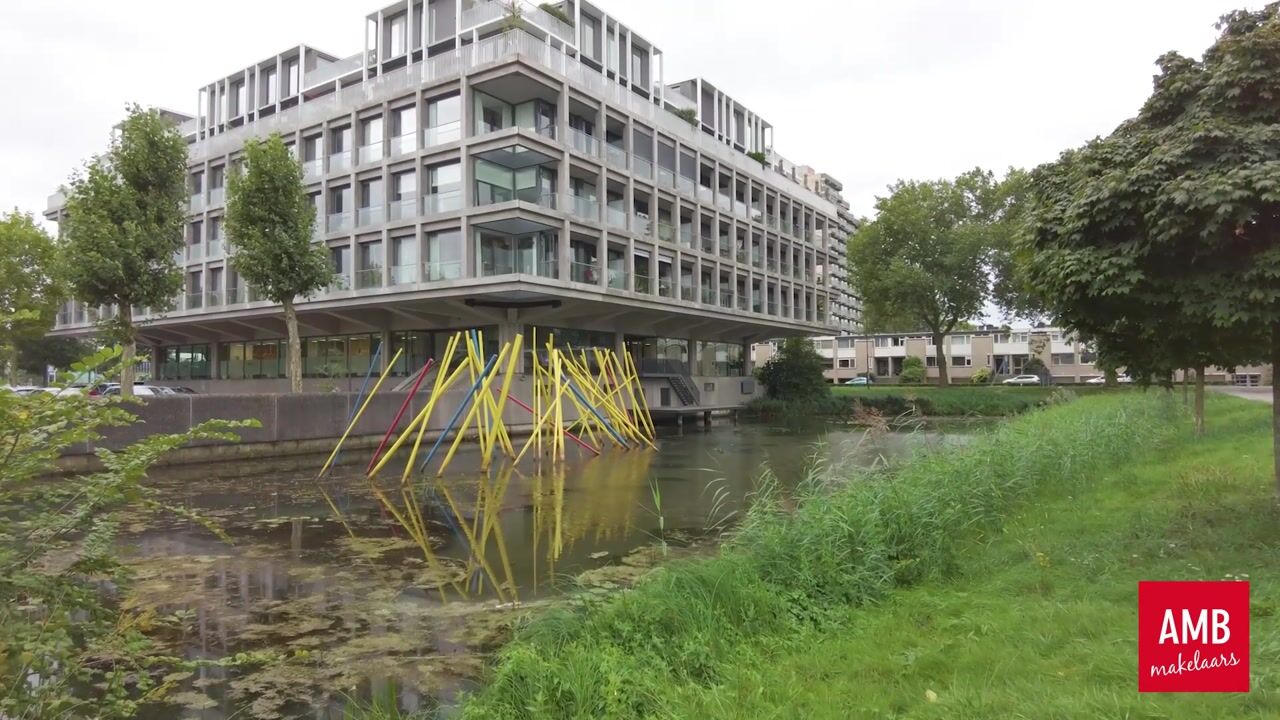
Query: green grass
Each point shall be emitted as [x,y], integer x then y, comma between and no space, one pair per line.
[958,400]
[1000,577]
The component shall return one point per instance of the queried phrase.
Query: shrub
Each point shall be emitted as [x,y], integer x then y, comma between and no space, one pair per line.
[794,374]
[912,371]
[60,580]
[686,114]
[981,377]
[760,158]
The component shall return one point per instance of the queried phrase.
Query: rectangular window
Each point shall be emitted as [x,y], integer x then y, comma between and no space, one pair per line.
[961,361]
[444,120]
[404,121]
[1064,358]
[443,256]
[404,260]
[270,89]
[291,77]
[397,28]
[238,102]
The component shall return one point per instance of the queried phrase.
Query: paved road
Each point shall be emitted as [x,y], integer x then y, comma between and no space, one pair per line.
[1260,394]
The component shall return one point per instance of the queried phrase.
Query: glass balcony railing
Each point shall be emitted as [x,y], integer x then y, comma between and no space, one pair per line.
[708,244]
[686,293]
[438,203]
[370,216]
[666,232]
[196,203]
[742,302]
[550,201]
[370,153]
[339,282]
[237,295]
[641,167]
[442,134]
[442,270]
[405,209]
[339,222]
[741,255]
[213,298]
[404,274]
[640,225]
[666,178]
[583,143]
[687,238]
[195,301]
[616,157]
[724,202]
[369,278]
[340,161]
[708,295]
[616,217]
[666,288]
[584,272]
[726,298]
[686,185]
[586,208]
[644,285]
[312,170]
[706,195]
[617,279]
[215,247]
[217,197]
[725,250]
[195,252]
[773,307]
[404,145]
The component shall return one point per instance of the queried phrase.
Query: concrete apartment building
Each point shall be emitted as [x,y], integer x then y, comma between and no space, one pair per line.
[474,169]
[1004,351]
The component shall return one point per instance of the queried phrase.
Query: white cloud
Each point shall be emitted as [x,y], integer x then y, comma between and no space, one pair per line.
[868,91]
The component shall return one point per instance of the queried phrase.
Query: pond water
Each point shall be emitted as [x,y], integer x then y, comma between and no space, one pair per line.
[406,591]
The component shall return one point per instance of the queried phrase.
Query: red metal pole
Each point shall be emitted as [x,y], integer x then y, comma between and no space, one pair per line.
[572,437]
[422,374]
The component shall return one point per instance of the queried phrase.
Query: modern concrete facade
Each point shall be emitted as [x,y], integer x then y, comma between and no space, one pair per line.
[1004,351]
[479,167]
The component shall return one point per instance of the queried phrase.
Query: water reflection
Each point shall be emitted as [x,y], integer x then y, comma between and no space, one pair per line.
[412,583]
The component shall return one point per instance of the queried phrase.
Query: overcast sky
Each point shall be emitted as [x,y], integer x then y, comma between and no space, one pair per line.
[867,90]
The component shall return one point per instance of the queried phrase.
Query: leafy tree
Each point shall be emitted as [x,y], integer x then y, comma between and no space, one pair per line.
[125,220]
[981,376]
[270,223]
[1160,239]
[794,374]
[912,371]
[37,354]
[927,257]
[89,651]
[1035,366]
[30,290]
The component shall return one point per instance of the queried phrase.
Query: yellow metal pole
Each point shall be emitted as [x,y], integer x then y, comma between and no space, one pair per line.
[471,413]
[360,412]
[419,422]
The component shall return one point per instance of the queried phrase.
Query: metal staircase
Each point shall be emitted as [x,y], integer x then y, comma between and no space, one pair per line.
[685,389]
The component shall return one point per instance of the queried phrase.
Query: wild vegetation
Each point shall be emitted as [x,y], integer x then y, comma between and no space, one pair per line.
[792,575]
[68,648]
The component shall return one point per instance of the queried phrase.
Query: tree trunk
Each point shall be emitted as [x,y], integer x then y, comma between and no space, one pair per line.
[129,350]
[1199,401]
[295,347]
[1186,379]
[1109,378]
[938,340]
[1275,405]
[11,365]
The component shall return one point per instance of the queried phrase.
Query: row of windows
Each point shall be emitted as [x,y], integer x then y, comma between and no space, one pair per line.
[1000,362]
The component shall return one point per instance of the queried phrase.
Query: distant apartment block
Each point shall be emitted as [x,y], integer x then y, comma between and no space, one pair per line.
[1004,351]
[505,166]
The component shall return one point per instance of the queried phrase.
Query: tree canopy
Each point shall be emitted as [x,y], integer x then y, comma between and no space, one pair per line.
[927,259]
[1160,240]
[30,286]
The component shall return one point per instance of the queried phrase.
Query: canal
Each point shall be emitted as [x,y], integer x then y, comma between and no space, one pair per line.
[404,590]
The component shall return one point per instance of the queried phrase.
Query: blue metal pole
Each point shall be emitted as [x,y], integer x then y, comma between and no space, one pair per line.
[475,387]
[599,417]
[364,386]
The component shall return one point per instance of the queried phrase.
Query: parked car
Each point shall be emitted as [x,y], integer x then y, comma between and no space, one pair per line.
[1023,380]
[859,381]
[112,389]
[1122,378]
[21,389]
[183,390]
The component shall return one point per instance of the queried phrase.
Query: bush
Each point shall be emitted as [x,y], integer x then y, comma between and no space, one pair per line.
[794,374]
[912,371]
[60,580]
[981,377]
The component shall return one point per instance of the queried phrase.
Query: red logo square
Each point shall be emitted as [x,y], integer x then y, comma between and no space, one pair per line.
[1193,636]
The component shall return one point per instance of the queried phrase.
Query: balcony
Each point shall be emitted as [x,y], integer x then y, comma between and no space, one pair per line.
[687,238]
[617,279]
[312,170]
[369,278]
[404,209]
[215,247]
[196,203]
[708,295]
[616,157]
[404,145]
[724,202]
[340,161]
[438,271]
[666,178]
[586,208]
[439,203]
[616,217]
[706,195]
[195,301]
[644,285]
[339,222]
[195,252]
[640,224]
[726,298]
[339,282]
[370,153]
[217,197]
[666,288]
[641,167]
[550,201]
[583,143]
[367,216]
[237,295]
[214,299]
[584,272]
[708,244]
[404,274]
[442,134]
[666,232]
[686,185]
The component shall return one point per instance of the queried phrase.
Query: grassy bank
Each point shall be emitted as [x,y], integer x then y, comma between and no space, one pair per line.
[958,400]
[748,633]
